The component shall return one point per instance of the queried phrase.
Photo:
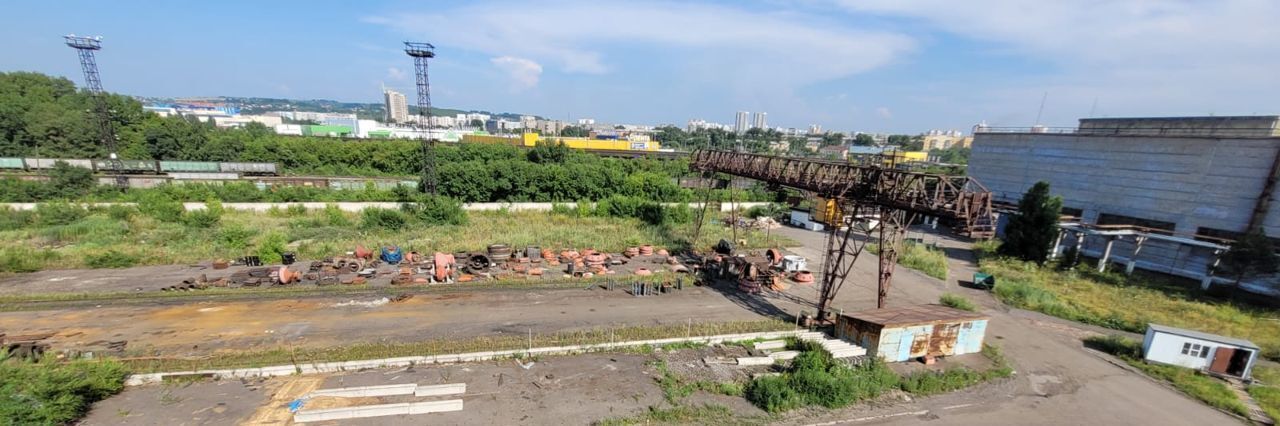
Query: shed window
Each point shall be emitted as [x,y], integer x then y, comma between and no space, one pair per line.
[1195,350]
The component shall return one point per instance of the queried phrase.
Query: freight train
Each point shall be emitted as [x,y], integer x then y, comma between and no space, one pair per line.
[155,167]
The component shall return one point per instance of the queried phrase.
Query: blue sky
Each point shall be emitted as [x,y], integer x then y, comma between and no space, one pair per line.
[868,65]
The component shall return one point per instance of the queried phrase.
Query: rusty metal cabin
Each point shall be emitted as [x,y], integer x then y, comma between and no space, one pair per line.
[900,334]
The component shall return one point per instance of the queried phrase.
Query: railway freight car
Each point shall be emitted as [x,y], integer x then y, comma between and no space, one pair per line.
[249,169]
[128,166]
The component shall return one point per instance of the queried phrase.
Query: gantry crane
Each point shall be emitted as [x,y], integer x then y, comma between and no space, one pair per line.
[889,196]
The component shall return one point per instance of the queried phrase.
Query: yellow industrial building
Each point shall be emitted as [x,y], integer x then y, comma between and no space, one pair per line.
[534,139]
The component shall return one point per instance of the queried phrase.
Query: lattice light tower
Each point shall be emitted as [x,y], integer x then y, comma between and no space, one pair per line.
[420,53]
[85,46]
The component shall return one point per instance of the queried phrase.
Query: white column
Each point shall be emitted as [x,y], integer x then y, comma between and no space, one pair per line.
[1106,254]
[1207,280]
[1133,258]
[1057,245]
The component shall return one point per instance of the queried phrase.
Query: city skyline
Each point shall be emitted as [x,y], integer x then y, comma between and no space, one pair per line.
[879,66]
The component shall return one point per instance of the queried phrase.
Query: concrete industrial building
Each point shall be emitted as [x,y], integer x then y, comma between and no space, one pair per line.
[397,106]
[1160,194]
[740,122]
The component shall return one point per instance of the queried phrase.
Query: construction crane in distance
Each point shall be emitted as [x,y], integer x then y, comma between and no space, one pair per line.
[876,200]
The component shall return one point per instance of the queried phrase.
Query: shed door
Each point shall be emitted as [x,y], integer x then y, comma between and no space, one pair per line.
[1221,360]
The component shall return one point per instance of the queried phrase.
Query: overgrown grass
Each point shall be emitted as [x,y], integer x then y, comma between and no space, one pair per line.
[815,379]
[53,392]
[957,301]
[1266,389]
[674,388]
[682,415]
[102,235]
[1207,389]
[1108,300]
[931,262]
[289,355]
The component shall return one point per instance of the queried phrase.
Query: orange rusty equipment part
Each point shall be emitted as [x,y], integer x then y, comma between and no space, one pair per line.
[803,277]
[443,266]
[363,253]
[286,276]
[631,252]
[594,260]
[774,256]
[646,250]
[663,252]
[570,255]
[644,272]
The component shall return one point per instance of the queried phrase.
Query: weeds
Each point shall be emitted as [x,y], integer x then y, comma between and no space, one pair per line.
[110,259]
[1209,390]
[55,392]
[703,414]
[287,355]
[957,301]
[930,261]
[1105,299]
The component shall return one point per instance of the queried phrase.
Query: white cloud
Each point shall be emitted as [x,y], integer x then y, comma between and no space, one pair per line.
[395,74]
[755,50]
[524,73]
[884,113]
[1133,57]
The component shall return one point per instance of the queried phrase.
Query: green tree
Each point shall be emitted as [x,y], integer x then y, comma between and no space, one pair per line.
[1031,231]
[863,139]
[1250,256]
[70,181]
[832,138]
[574,132]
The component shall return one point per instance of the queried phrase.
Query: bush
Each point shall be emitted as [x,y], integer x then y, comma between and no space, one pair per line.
[55,392]
[59,213]
[271,248]
[70,181]
[110,259]
[25,260]
[822,388]
[334,216]
[436,210]
[772,394]
[1115,345]
[235,237]
[773,210]
[295,210]
[121,212]
[161,207]
[957,301]
[380,218]
[562,209]
[11,219]
[935,382]
[207,218]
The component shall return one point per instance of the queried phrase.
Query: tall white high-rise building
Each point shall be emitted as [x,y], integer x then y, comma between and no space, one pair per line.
[397,106]
[815,129]
[740,124]
[759,121]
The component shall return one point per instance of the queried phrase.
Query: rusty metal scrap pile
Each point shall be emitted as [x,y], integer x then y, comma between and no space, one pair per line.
[389,265]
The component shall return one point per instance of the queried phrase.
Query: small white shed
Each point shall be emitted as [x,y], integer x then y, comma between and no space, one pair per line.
[1200,351]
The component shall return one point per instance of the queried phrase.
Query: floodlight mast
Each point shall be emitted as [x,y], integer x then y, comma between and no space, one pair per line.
[85,48]
[420,53]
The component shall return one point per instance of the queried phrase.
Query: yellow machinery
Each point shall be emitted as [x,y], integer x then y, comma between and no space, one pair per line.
[827,211]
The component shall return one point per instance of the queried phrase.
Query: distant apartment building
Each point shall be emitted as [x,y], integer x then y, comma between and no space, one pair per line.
[939,139]
[760,121]
[397,106]
[740,123]
[815,129]
[586,121]
[1160,194]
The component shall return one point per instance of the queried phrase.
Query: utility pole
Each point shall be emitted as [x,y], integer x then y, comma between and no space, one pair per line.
[85,48]
[420,53]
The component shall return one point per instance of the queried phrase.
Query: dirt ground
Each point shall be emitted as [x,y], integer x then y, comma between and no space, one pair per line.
[1057,380]
[580,389]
